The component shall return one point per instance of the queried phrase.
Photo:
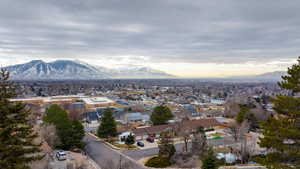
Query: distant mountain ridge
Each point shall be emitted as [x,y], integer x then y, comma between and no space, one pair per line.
[272,75]
[76,70]
[265,77]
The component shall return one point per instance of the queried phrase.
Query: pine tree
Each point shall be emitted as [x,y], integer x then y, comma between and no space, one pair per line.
[17,149]
[108,127]
[242,114]
[282,131]
[161,115]
[209,161]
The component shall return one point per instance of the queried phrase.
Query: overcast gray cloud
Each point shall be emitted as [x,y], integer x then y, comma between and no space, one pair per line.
[162,31]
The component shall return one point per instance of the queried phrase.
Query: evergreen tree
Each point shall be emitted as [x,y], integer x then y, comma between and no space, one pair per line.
[70,132]
[71,135]
[17,149]
[242,114]
[161,115]
[209,161]
[282,131]
[130,140]
[56,115]
[108,127]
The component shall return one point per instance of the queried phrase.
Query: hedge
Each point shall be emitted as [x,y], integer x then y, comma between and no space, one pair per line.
[158,162]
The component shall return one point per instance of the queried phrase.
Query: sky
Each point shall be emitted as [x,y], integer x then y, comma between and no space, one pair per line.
[186,38]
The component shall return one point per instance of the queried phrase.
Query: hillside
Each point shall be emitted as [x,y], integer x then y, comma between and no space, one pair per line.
[74,70]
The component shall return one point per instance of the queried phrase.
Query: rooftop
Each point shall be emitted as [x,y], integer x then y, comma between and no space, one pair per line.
[97,100]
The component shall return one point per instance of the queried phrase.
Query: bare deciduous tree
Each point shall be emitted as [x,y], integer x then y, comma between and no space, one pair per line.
[234,131]
[183,133]
[239,130]
[245,149]
[185,160]
[49,134]
[199,144]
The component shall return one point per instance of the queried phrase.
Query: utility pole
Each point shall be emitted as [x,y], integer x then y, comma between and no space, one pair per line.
[120,166]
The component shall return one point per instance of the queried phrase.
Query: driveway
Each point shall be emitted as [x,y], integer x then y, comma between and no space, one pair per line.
[108,158]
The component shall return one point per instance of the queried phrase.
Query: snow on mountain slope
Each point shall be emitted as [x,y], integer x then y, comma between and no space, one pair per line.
[72,70]
[139,72]
[62,69]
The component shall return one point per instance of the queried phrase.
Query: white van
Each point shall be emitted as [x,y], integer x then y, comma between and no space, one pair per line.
[61,155]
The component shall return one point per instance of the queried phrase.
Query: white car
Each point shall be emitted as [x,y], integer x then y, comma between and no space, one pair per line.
[61,155]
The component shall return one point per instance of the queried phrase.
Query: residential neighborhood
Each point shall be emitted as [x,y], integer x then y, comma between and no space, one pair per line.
[132,111]
[149,84]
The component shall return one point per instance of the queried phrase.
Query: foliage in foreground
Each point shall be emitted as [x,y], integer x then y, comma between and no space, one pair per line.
[209,161]
[17,149]
[282,132]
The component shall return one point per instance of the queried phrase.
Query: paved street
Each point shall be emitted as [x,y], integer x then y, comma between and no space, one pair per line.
[139,154]
[106,157]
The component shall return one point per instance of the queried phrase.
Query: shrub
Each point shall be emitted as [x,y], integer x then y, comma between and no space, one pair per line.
[130,140]
[158,162]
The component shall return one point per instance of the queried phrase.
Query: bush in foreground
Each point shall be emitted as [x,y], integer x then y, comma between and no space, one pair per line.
[158,162]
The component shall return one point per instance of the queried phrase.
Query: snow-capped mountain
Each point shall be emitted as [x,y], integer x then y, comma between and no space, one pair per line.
[72,70]
[138,72]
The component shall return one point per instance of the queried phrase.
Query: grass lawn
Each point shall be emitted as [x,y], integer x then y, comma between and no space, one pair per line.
[124,146]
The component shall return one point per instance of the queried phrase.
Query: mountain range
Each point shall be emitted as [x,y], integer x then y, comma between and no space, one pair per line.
[266,77]
[76,70]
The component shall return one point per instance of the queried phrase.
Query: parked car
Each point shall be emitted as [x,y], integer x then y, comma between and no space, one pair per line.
[140,144]
[150,139]
[61,155]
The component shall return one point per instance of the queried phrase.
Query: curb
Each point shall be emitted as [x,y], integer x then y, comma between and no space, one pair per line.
[106,143]
[110,145]
[129,158]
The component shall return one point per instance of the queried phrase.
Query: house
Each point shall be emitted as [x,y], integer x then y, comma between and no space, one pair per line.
[153,131]
[124,135]
[136,117]
[92,119]
[188,125]
[191,110]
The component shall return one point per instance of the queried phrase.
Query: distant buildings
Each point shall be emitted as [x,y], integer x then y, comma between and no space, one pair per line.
[94,102]
[136,117]
[191,110]
[79,100]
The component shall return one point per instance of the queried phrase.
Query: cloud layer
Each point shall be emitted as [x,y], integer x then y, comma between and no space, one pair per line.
[151,32]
